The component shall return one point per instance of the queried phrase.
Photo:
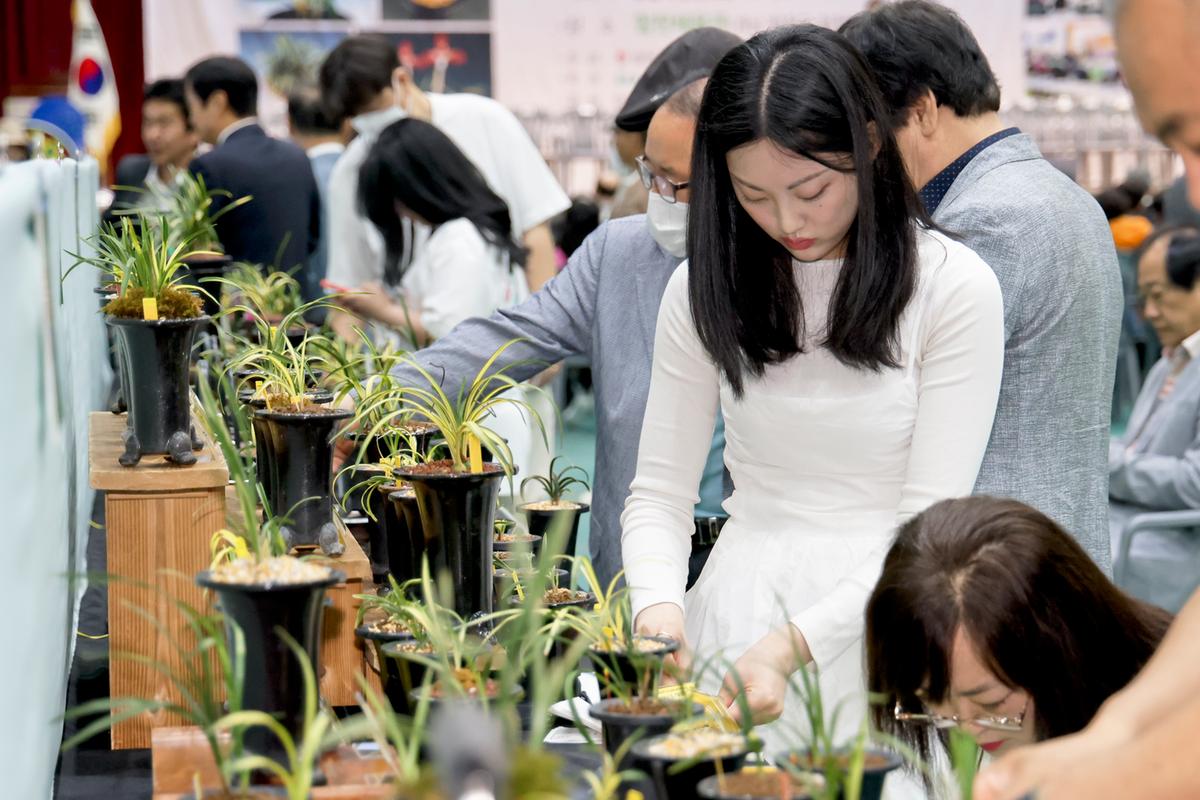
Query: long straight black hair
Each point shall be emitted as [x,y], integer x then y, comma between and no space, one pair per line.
[807,90]
[416,165]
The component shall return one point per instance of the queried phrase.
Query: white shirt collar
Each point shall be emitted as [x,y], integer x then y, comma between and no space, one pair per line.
[325,148]
[1192,345]
[372,123]
[232,128]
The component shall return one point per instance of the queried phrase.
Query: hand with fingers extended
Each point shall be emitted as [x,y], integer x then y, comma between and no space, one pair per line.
[761,675]
[666,619]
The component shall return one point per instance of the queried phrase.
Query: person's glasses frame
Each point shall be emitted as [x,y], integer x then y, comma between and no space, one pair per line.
[651,180]
[1010,724]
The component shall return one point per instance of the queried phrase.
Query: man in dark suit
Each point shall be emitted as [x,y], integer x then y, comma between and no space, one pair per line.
[280,226]
[147,180]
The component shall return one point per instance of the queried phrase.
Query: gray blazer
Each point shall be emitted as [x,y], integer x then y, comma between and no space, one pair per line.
[1161,472]
[1053,252]
[603,305]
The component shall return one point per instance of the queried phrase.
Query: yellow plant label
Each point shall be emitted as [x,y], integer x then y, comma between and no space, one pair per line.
[240,548]
[475,450]
[150,308]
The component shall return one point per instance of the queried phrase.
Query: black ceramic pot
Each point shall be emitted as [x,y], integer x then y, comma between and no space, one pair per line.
[199,272]
[274,680]
[295,458]
[154,359]
[616,727]
[879,764]
[404,535]
[529,544]
[541,522]
[672,783]
[633,669]
[505,588]
[117,405]
[400,675]
[458,515]
[245,396]
[710,788]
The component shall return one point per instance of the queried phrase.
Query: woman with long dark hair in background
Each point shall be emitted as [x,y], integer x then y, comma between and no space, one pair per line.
[988,616]
[467,266]
[855,355]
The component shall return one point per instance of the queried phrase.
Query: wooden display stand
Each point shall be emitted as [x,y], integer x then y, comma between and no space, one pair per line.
[343,655]
[160,519]
[176,754]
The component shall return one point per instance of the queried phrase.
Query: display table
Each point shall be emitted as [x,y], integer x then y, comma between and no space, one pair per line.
[160,521]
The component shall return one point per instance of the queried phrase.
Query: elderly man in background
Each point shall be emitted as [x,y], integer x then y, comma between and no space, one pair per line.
[1142,742]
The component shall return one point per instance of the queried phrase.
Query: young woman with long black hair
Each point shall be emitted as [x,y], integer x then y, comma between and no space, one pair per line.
[855,355]
[469,265]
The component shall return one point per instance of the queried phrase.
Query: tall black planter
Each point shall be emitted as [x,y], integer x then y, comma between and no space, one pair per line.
[617,727]
[541,522]
[274,678]
[458,514]
[404,535]
[198,271]
[262,430]
[295,461]
[669,780]
[154,358]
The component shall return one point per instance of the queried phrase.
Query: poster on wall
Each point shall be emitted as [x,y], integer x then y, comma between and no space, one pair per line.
[1070,50]
[285,43]
[597,50]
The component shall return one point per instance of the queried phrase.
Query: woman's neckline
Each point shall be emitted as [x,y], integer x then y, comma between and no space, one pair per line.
[825,262]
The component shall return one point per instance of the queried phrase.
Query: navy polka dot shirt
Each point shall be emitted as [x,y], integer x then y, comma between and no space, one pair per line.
[933,192]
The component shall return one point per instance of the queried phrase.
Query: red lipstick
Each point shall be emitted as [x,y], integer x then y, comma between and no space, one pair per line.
[991,747]
[798,244]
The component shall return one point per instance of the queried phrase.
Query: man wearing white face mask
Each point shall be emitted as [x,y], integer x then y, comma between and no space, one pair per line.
[604,305]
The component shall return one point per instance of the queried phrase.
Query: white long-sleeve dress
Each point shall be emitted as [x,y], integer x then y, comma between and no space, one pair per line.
[826,460]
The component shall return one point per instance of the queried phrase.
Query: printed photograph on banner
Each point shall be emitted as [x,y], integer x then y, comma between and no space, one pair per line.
[259,12]
[1070,50]
[437,9]
[440,62]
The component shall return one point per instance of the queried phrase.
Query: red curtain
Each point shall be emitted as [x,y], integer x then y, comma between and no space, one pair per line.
[35,55]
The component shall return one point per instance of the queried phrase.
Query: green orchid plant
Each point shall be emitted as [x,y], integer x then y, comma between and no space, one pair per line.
[142,267]
[318,734]
[462,420]
[191,214]
[207,676]
[556,483]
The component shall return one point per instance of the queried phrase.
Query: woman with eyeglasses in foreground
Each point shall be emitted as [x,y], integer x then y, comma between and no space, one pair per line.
[989,617]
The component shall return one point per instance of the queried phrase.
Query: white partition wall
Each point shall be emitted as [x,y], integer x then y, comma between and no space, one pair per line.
[56,371]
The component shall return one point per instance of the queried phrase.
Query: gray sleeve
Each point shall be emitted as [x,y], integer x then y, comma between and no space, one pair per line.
[1166,483]
[555,322]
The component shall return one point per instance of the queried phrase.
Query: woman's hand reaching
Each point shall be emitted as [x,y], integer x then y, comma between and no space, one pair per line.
[666,619]
[761,674]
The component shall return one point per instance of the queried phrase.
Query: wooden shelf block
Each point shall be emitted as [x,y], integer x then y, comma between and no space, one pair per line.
[160,521]
[179,754]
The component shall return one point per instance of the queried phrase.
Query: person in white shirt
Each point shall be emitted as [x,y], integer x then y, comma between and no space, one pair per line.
[362,80]
[469,266]
[854,353]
